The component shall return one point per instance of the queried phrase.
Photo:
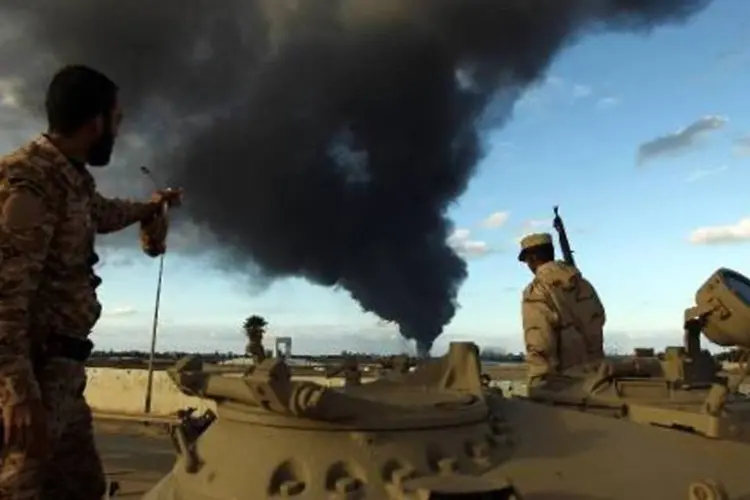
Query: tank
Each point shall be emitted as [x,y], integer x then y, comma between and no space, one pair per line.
[435,433]
[684,388]
[432,434]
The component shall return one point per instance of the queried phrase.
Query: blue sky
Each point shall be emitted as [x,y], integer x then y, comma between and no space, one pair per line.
[574,141]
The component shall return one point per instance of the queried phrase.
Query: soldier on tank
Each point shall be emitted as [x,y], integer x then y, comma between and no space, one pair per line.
[563,317]
[51,212]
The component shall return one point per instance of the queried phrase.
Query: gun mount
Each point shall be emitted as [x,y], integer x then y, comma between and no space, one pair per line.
[432,434]
[684,388]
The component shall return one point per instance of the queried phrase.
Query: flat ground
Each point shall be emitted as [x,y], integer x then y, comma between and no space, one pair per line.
[135,455]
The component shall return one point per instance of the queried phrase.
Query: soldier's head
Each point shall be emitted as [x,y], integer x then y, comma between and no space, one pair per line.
[83,109]
[537,249]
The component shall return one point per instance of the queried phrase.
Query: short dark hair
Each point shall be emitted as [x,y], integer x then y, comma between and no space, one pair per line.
[76,95]
[544,253]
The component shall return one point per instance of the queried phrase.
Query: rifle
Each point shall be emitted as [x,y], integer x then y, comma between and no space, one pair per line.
[562,235]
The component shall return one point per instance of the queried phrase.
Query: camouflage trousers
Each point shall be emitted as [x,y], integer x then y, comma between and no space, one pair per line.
[72,469]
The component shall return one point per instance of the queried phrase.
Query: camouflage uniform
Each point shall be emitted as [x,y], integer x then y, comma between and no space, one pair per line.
[563,317]
[50,214]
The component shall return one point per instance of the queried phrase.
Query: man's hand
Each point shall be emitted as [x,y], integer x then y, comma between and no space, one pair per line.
[25,427]
[169,197]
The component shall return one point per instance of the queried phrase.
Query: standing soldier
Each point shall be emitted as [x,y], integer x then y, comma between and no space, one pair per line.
[563,317]
[51,211]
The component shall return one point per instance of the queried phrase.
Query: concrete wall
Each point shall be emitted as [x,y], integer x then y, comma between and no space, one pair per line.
[123,392]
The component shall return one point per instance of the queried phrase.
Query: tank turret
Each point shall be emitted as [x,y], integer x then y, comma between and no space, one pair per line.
[432,434]
[683,388]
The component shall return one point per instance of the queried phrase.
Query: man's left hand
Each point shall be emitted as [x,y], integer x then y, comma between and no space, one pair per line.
[169,197]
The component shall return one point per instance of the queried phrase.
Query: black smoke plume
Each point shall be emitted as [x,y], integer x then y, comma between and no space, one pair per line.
[323,138]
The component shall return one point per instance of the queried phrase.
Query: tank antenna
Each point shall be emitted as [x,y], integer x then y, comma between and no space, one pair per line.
[157,301]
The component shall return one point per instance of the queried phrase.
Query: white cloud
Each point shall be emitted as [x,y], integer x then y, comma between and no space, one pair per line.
[119,312]
[496,220]
[532,224]
[9,93]
[606,103]
[112,257]
[705,172]
[581,91]
[554,81]
[460,234]
[714,235]
[552,90]
[462,243]
[742,146]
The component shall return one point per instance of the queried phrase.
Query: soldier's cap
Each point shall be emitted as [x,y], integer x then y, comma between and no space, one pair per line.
[533,241]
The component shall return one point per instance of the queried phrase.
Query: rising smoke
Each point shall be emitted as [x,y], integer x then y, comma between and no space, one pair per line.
[322,138]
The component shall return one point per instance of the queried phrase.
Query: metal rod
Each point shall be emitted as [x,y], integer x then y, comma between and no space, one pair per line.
[155,323]
[145,171]
[154,330]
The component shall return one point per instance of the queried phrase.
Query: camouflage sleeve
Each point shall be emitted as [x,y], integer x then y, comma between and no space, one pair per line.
[539,330]
[26,227]
[114,214]
[153,235]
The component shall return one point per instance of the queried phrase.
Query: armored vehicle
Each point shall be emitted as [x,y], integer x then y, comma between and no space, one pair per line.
[434,433]
[685,387]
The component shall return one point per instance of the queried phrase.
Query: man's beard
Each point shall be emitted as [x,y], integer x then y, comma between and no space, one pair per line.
[101,151]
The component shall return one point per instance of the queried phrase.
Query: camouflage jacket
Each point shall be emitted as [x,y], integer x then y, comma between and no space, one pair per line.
[50,214]
[563,320]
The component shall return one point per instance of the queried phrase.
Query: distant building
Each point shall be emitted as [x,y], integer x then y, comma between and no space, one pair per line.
[278,346]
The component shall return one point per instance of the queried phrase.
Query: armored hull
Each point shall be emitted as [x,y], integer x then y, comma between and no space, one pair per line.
[708,405]
[435,433]
[565,454]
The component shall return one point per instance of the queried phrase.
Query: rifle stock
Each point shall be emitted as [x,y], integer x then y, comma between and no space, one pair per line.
[562,236]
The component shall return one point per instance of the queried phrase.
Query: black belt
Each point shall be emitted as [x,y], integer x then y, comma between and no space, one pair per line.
[64,346]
